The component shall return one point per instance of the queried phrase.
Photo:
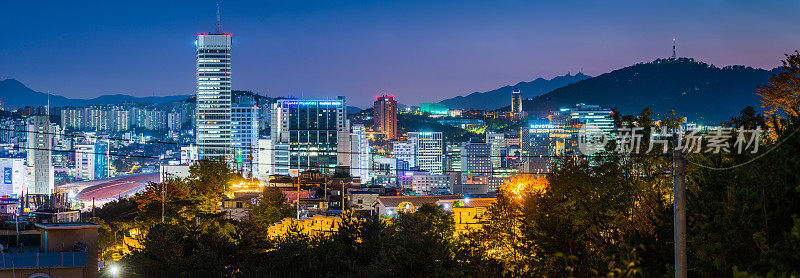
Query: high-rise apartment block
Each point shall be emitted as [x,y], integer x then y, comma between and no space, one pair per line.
[213,112]
[385,116]
[91,161]
[84,161]
[118,118]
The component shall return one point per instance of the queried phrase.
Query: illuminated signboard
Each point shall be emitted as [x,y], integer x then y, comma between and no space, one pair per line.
[313,102]
[7,175]
[541,126]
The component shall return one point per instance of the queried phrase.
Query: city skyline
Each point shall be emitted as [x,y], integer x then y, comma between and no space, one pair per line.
[289,50]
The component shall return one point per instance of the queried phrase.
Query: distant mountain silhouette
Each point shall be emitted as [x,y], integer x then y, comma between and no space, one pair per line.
[702,92]
[501,97]
[14,94]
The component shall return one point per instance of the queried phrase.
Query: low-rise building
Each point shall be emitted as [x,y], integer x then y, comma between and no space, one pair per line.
[65,250]
[361,200]
[389,206]
[237,208]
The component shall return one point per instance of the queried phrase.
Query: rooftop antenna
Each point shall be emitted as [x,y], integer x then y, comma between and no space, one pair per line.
[218,20]
[47,110]
[674,56]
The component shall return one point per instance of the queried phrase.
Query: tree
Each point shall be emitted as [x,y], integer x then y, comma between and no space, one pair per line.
[211,178]
[781,97]
[175,250]
[270,207]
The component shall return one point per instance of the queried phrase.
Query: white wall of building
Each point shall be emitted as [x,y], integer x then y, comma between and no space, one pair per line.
[15,178]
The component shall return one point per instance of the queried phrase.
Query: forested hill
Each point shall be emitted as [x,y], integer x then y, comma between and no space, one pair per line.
[702,92]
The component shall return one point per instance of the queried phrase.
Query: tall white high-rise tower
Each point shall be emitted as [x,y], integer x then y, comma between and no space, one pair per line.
[39,156]
[214,95]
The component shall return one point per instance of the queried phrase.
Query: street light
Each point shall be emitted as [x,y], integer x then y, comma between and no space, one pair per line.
[114,269]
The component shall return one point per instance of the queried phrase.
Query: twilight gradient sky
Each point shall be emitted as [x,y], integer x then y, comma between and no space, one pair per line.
[420,51]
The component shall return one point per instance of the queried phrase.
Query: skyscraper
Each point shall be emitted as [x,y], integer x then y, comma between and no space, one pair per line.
[360,158]
[516,104]
[313,130]
[101,159]
[213,112]
[244,134]
[85,161]
[386,116]
[497,143]
[475,158]
[601,118]
[452,157]
[428,150]
[39,146]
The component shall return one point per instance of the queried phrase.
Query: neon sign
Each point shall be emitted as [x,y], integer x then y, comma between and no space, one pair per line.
[541,126]
[313,102]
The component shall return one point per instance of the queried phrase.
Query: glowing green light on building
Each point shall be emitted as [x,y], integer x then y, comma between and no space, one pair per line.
[433,108]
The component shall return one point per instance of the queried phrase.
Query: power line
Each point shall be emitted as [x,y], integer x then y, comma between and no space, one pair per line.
[329,152]
[282,164]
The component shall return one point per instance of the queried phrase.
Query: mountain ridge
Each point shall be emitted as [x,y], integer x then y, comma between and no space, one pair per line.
[14,94]
[488,100]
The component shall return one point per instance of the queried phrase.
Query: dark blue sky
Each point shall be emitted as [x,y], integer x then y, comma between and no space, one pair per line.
[417,50]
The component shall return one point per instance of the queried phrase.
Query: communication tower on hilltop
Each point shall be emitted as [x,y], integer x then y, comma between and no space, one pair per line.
[674,56]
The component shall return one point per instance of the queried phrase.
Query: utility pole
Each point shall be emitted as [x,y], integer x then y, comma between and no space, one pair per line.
[251,164]
[163,196]
[298,197]
[16,224]
[163,189]
[342,196]
[679,204]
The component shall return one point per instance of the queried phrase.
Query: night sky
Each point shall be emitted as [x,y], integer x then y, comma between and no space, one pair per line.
[420,51]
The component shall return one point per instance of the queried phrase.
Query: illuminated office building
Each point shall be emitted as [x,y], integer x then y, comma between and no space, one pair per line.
[213,112]
[312,130]
[404,151]
[516,101]
[385,116]
[497,144]
[360,157]
[244,135]
[39,155]
[428,151]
